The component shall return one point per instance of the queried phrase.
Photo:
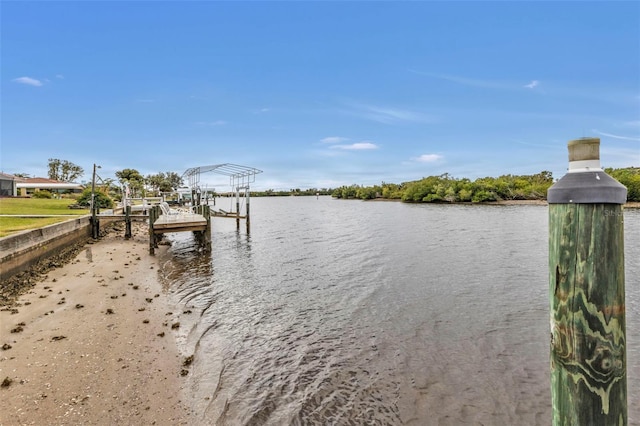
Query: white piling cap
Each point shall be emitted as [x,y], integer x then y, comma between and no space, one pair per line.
[584,155]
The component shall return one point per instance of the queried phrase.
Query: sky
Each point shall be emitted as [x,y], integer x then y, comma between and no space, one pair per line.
[318,94]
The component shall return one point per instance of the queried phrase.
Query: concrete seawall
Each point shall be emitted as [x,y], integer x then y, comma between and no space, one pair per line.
[20,251]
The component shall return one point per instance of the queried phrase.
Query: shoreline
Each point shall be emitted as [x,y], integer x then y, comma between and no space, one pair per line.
[627,205]
[93,341]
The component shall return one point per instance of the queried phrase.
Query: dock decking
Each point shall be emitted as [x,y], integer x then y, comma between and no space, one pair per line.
[179,222]
[199,223]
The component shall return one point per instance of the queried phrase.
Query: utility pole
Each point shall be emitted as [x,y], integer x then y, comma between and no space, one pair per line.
[95,222]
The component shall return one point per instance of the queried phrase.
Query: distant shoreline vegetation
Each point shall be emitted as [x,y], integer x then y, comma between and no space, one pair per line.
[448,189]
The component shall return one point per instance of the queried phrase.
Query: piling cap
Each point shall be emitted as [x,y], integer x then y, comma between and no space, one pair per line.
[584,154]
[586,182]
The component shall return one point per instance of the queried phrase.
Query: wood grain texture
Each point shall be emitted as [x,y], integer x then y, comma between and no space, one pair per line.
[587,313]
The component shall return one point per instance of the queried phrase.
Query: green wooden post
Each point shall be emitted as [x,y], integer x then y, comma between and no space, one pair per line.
[586,292]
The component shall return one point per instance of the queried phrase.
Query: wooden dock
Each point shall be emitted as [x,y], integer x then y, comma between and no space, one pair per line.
[199,223]
[179,223]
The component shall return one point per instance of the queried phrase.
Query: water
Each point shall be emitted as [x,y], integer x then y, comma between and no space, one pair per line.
[349,312]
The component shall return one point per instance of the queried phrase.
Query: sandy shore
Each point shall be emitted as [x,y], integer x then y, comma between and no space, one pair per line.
[93,343]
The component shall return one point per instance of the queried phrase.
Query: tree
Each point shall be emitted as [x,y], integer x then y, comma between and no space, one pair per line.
[64,170]
[629,177]
[133,178]
[164,182]
[174,179]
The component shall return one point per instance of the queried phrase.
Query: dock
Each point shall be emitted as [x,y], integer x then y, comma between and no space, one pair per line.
[163,221]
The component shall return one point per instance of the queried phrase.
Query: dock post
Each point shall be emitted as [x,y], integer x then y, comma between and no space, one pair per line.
[247,217]
[586,292]
[153,215]
[127,222]
[237,207]
[206,212]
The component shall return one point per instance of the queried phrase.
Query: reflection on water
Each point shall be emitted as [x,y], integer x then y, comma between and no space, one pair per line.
[346,312]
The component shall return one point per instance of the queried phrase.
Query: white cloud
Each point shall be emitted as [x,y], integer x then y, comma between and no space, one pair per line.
[334,139]
[145,101]
[359,146]
[428,158]
[626,138]
[533,84]
[60,76]
[28,81]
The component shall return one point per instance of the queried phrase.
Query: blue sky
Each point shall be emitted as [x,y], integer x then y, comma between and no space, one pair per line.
[318,94]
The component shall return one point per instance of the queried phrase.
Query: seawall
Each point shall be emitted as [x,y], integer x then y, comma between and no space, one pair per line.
[18,252]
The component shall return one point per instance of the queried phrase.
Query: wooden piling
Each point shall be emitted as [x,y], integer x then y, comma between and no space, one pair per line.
[127,222]
[238,208]
[247,215]
[153,215]
[206,212]
[586,292]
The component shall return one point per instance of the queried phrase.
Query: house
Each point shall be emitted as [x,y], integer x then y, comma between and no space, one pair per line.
[30,185]
[8,185]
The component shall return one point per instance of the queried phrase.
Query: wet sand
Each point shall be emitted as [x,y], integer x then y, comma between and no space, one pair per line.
[93,343]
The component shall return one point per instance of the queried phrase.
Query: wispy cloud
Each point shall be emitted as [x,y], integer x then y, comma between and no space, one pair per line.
[334,139]
[487,84]
[60,76]
[626,138]
[359,146]
[28,81]
[428,158]
[211,123]
[387,115]
[145,101]
[481,83]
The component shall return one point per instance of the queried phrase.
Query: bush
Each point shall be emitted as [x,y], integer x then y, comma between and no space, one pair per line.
[42,194]
[102,200]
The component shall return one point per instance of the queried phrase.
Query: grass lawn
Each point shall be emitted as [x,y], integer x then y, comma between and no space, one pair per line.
[44,206]
[9,225]
[33,206]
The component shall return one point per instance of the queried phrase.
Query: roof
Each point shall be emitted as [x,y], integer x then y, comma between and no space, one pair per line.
[42,180]
[39,182]
[7,176]
[49,185]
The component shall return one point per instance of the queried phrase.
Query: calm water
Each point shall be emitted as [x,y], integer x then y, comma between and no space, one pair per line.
[349,312]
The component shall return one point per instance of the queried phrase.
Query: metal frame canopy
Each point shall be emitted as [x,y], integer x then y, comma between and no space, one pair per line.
[239,176]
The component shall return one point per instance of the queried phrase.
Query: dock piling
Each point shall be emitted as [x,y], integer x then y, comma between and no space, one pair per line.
[127,222]
[586,292]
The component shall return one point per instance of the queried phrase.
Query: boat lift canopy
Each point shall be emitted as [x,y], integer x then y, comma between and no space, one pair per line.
[239,176]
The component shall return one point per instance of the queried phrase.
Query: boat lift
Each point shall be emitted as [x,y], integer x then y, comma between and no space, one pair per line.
[240,177]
